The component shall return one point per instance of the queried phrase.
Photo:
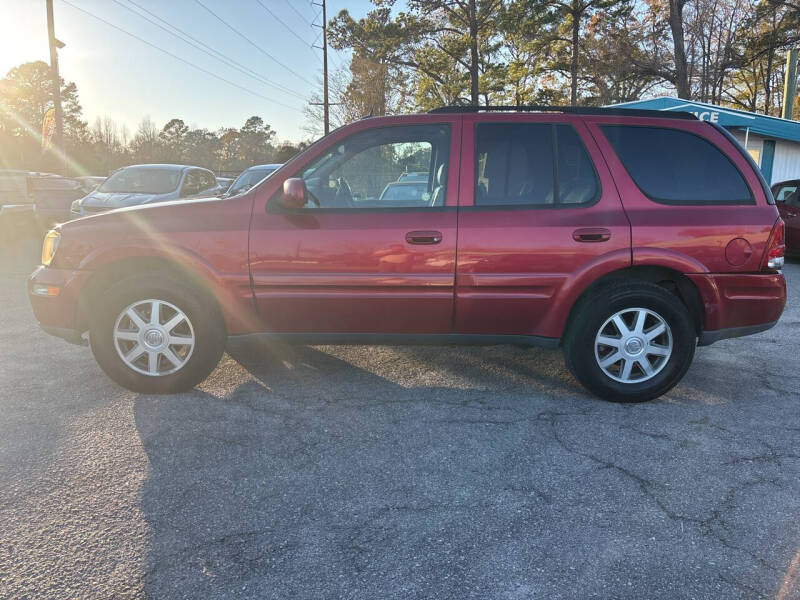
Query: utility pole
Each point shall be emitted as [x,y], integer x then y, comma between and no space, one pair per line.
[325,101]
[54,45]
[790,84]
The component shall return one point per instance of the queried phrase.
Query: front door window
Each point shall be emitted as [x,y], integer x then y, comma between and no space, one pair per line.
[371,170]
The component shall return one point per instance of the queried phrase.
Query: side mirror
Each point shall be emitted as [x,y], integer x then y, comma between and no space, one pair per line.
[294,193]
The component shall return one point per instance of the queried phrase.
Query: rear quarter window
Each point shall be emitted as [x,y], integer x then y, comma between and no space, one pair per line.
[671,166]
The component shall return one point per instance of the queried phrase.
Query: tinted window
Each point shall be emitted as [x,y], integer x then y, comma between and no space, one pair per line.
[357,173]
[677,167]
[782,192]
[515,166]
[577,180]
[192,183]
[249,178]
[792,198]
[207,180]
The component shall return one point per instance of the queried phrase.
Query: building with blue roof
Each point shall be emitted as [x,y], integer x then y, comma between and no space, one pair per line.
[774,143]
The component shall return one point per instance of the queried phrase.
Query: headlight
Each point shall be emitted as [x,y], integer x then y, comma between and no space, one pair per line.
[50,246]
[75,206]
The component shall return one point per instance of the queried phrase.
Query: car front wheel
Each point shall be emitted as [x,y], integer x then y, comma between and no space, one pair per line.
[630,342]
[157,335]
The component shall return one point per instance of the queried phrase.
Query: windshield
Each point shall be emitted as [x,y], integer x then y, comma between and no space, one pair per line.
[142,180]
[249,178]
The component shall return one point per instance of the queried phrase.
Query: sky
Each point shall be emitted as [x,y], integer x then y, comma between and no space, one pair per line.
[123,78]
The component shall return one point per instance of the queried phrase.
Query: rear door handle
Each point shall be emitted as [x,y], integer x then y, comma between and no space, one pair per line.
[424,237]
[591,234]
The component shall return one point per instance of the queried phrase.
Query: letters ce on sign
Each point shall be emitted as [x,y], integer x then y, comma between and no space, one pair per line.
[712,115]
[707,115]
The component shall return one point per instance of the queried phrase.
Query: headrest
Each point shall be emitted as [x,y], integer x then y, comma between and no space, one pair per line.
[441,174]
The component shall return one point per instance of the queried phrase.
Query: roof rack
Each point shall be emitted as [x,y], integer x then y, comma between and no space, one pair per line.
[575,110]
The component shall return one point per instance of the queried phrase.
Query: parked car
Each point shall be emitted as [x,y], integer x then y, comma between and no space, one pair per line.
[250,178]
[45,197]
[625,237]
[405,193]
[146,184]
[787,195]
[416,176]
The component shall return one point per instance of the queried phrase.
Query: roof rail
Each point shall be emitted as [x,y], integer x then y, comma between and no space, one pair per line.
[576,110]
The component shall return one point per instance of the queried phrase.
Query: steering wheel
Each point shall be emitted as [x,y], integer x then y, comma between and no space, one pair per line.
[344,196]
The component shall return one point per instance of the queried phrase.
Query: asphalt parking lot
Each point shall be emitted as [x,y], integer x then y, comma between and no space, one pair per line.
[396,472]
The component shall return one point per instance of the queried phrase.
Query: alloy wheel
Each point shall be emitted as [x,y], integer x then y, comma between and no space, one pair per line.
[154,337]
[633,345]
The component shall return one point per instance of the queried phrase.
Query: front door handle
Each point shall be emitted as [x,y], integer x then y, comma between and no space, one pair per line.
[424,237]
[591,234]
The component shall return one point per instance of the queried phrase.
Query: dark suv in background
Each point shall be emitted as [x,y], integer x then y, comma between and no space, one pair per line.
[787,195]
[44,198]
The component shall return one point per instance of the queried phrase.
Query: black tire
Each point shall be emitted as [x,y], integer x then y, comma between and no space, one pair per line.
[209,332]
[598,306]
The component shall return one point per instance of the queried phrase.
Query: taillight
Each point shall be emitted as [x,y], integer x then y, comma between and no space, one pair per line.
[773,257]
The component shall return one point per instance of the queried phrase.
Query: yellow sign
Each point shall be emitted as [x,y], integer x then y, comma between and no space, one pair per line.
[48,128]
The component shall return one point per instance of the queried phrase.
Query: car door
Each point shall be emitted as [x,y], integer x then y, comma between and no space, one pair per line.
[787,199]
[348,262]
[539,216]
[790,213]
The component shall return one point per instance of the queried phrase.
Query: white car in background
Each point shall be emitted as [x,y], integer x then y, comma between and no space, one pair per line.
[145,184]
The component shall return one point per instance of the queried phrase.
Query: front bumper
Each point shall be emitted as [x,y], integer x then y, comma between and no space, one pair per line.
[59,314]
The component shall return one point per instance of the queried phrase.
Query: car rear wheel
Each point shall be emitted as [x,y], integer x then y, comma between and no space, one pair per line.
[157,335]
[630,342]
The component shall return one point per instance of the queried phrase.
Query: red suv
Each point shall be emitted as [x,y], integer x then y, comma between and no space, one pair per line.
[625,237]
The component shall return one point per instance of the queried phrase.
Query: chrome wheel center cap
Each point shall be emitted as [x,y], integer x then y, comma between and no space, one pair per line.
[634,346]
[153,338]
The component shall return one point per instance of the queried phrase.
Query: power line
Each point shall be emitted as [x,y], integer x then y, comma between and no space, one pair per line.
[253,44]
[175,56]
[297,12]
[279,20]
[205,48]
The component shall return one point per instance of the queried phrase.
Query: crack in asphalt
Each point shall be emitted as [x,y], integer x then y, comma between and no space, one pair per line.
[648,488]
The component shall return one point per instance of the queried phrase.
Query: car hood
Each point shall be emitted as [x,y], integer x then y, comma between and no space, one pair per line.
[153,228]
[111,200]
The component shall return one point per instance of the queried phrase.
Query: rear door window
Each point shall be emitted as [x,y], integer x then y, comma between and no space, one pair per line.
[677,167]
[192,183]
[515,165]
